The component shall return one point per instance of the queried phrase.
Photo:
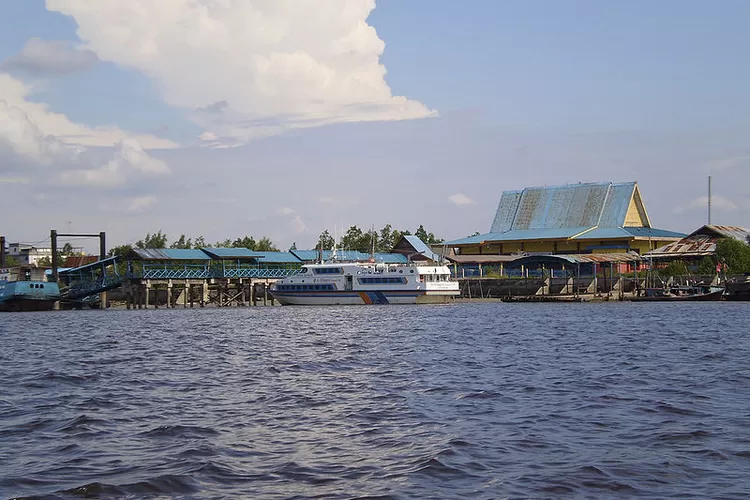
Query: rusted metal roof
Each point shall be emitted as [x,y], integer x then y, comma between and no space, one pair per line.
[700,243]
[79,260]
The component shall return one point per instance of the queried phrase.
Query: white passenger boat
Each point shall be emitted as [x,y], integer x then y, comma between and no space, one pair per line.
[366,283]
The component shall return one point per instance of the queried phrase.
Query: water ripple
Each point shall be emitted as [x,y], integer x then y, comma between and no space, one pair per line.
[485,401]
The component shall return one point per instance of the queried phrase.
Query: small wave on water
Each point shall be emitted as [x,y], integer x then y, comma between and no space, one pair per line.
[480,401]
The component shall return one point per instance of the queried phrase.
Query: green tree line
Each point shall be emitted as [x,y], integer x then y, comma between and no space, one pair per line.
[353,239]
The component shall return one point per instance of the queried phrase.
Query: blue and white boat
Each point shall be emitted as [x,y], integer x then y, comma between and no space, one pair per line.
[20,290]
[332,283]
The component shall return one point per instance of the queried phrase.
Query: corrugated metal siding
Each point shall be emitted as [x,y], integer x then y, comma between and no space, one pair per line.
[645,232]
[616,207]
[230,253]
[171,254]
[736,232]
[576,205]
[506,211]
[276,257]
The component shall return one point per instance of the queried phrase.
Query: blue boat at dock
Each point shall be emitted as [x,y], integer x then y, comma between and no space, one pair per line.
[27,292]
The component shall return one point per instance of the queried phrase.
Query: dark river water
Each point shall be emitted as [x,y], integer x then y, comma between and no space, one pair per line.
[480,400]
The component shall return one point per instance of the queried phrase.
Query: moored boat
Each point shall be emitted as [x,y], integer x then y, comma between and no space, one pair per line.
[681,293]
[369,283]
[26,292]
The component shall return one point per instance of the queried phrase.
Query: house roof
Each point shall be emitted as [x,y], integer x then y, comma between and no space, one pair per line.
[79,260]
[411,246]
[230,253]
[700,242]
[569,206]
[169,254]
[571,212]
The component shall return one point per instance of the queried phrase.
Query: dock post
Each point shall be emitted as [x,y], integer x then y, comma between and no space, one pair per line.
[253,295]
[265,293]
[242,291]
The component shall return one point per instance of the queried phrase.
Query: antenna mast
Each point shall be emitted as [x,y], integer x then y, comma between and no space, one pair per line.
[709,200]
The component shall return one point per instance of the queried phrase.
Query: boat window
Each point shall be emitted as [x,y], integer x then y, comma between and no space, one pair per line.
[382,281]
[328,270]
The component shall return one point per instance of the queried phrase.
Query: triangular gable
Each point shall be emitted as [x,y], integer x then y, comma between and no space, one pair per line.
[636,215]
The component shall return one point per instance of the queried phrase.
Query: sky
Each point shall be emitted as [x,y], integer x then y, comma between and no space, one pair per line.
[284,118]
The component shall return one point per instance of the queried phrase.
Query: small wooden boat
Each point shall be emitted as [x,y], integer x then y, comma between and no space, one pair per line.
[681,293]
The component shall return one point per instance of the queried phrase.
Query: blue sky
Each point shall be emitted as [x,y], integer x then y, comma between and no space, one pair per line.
[130,118]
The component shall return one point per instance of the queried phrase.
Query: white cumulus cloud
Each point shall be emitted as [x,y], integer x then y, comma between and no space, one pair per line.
[129,160]
[249,68]
[18,115]
[460,199]
[34,140]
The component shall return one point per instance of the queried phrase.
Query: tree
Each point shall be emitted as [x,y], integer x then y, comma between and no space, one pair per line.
[293,247]
[706,266]
[246,242]
[227,243]
[120,250]
[265,245]
[356,239]
[182,243]
[156,240]
[10,261]
[200,242]
[326,241]
[386,239]
[426,237]
[734,254]
[674,268]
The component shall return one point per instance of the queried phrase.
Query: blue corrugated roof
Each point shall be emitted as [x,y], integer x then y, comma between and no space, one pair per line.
[276,257]
[421,247]
[306,255]
[644,232]
[171,254]
[570,206]
[230,253]
[615,208]
[521,234]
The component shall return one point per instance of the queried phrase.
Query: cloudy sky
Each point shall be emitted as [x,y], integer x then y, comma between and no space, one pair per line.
[282,118]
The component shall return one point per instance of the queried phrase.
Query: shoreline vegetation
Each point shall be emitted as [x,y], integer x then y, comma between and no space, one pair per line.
[353,239]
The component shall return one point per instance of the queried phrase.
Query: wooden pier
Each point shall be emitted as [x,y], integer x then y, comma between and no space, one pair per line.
[184,293]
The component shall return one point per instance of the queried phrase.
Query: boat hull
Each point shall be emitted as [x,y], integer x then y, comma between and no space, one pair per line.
[370,297]
[17,296]
[699,297]
[26,305]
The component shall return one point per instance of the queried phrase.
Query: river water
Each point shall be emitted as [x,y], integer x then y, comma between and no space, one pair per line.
[472,400]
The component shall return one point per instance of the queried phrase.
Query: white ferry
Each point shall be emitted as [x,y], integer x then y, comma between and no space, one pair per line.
[369,283]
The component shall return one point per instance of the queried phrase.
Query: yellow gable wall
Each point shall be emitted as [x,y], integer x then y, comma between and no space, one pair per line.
[636,215]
